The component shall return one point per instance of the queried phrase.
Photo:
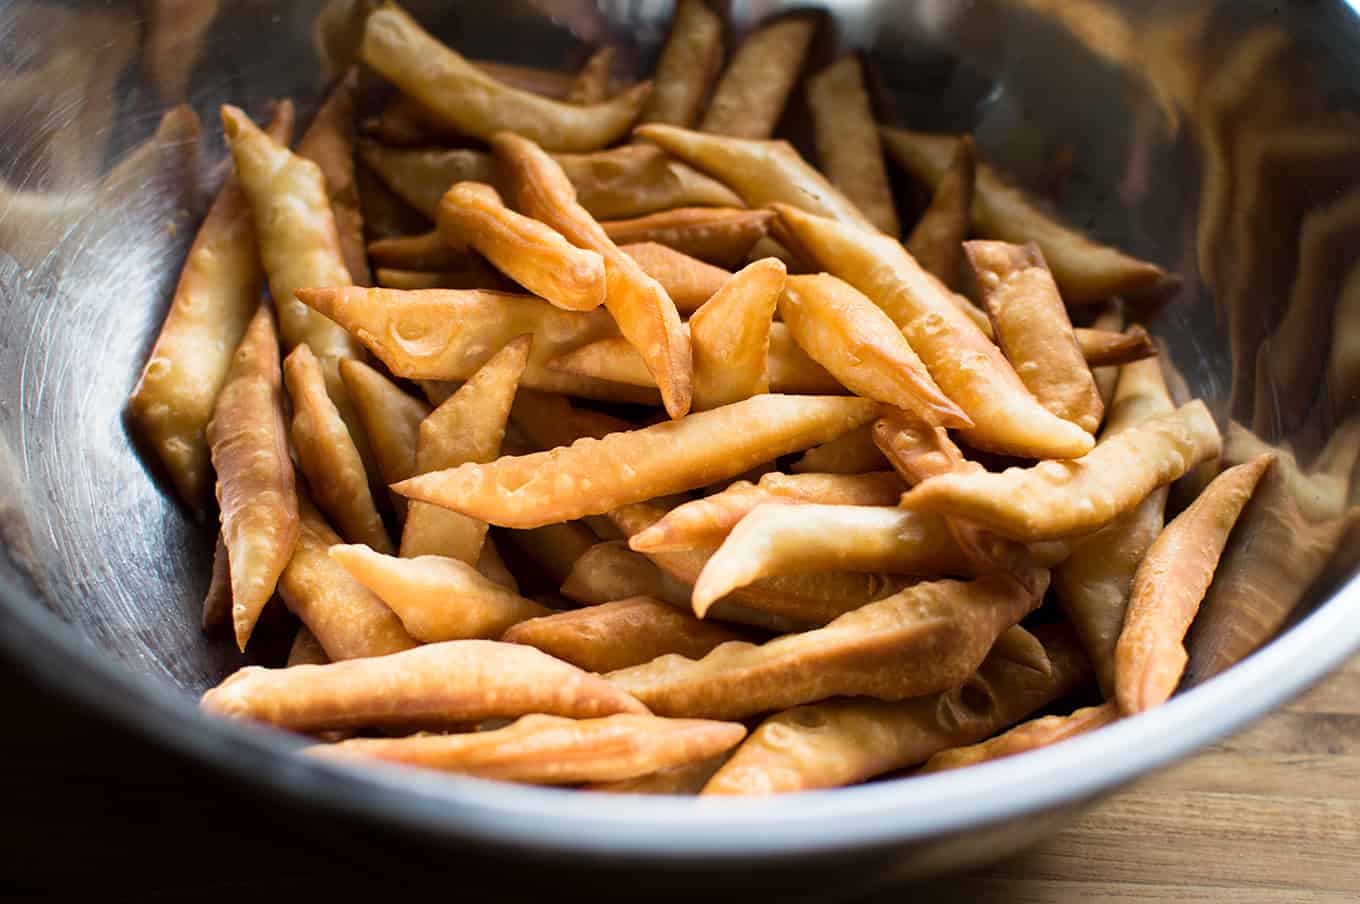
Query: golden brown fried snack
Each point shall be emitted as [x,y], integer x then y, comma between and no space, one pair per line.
[611,571]
[217,599]
[554,548]
[329,143]
[385,213]
[1034,331]
[348,620]
[1057,499]
[440,684]
[473,273]
[689,64]
[1086,271]
[327,455]
[730,336]
[916,450]
[719,235]
[762,172]
[688,779]
[446,334]
[1108,323]
[1106,348]
[531,253]
[619,634]
[437,598]
[687,280]
[853,453]
[390,416]
[591,84]
[750,97]
[847,140]
[552,420]
[778,540]
[926,639]
[426,251]
[467,426]
[476,104]
[1024,738]
[549,750]
[217,294]
[306,649]
[420,177]
[960,358]
[1170,584]
[493,567]
[645,314]
[937,239]
[706,522]
[592,477]
[840,742]
[255,488]
[861,347]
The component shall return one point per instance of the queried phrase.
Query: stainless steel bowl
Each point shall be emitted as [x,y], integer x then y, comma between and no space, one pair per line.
[1130,115]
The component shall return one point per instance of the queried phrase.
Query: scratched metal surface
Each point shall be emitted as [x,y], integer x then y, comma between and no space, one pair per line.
[92,229]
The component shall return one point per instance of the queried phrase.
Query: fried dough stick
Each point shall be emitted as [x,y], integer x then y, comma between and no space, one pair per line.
[964,363]
[469,426]
[550,750]
[591,85]
[217,294]
[476,104]
[391,419]
[619,634]
[689,64]
[217,599]
[609,571]
[1105,348]
[1024,738]
[688,779]
[531,253]
[1086,271]
[1033,329]
[329,143]
[723,236]
[750,97]
[853,453]
[840,742]
[762,172]
[645,314]
[327,454]
[925,639]
[1058,499]
[255,488]
[687,280]
[437,685]
[437,598]
[848,145]
[937,239]
[730,336]
[594,476]
[1170,584]
[426,251]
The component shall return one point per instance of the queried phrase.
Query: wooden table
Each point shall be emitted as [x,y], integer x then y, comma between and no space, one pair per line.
[1272,815]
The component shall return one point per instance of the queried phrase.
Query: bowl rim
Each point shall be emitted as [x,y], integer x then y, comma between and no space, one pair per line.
[551,822]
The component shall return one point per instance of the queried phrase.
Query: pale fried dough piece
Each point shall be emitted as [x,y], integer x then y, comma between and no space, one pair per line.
[472,273]
[1024,738]
[446,334]
[531,253]
[391,419]
[750,96]
[687,280]
[217,294]
[549,750]
[689,65]
[1033,329]
[916,450]
[1108,323]
[348,620]
[1057,499]
[1169,586]
[719,235]
[761,172]
[440,684]
[1092,585]
[964,363]
[306,649]
[706,522]
[861,347]
[476,104]
[840,742]
[552,420]
[611,571]
[1106,348]
[847,140]
[329,143]
[730,336]
[688,779]
[926,639]
[645,314]
[937,239]
[1086,270]
[493,567]
[255,487]
[420,177]
[437,598]
[592,476]
[427,251]
[327,455]
[591,85]
[614,360]
[780,539]
[853,453]
[555,548]
[619,634]
[1017,644]
[217,599]
[468,426]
